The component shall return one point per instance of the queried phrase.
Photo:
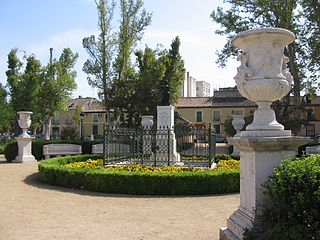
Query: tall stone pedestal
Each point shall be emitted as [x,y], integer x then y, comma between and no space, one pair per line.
[166,140]
[259,155]
[24,150]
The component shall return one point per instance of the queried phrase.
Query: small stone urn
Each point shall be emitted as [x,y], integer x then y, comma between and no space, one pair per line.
[263,76]
[237,123]
[147,121]
[24,122]
[24,140]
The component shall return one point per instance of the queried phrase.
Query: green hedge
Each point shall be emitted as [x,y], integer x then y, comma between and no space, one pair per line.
[53,172]
[11,149]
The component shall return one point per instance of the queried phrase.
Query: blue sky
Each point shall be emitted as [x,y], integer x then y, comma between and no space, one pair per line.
[34,26]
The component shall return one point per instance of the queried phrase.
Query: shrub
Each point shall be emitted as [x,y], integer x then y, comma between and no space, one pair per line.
[221,156]
[295,193]
[54,172]
[11,150]
[69,133]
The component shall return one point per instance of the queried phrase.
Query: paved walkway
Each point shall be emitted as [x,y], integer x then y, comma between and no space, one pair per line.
[33,210]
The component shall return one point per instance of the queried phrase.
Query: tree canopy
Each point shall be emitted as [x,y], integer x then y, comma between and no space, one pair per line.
[40,89]
[242,15]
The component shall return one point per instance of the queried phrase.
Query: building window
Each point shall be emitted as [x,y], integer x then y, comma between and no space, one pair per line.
[68,119]
[217,128]
[216,116]
[95,117]
[310,130]
[237,112]
[95,130]
[199,116]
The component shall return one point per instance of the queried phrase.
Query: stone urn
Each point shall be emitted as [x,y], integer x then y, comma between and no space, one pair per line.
[238,123]
[147,121]
[24,123]
[263,76]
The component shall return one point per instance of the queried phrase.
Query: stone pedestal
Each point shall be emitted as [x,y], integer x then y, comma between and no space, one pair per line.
[259,155]
[166,140]
[24,150]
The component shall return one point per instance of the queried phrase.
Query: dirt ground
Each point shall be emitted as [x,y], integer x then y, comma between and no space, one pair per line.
[33,210]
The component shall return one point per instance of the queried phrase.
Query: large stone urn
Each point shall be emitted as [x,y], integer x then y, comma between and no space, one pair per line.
[263,77]
[24,139]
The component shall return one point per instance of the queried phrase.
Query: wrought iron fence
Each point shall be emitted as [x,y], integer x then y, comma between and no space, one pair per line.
[191,146]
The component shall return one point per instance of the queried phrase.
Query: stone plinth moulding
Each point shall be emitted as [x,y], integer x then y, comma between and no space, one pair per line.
[263,77]
[24,140]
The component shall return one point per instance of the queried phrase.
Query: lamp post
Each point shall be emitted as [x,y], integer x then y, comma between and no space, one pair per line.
[81,125]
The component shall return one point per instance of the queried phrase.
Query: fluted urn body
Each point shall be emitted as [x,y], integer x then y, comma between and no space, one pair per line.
[263,76]
[24,122]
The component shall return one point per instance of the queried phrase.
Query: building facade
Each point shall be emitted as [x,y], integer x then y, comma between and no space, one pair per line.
[203,89]
[202,111]
[87,115]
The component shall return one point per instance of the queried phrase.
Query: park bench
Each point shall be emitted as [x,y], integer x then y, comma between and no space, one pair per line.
[312,150]
[61,150]
[113,148]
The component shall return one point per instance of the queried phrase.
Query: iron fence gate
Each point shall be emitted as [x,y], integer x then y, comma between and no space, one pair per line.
[192,146]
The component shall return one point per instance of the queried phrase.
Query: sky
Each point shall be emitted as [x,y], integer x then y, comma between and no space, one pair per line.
[34,26]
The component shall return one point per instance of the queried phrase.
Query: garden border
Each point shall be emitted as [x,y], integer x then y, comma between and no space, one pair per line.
[53,172]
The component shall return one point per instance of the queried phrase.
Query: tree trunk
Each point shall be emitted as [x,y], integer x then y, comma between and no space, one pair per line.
[296,87]
[46,128]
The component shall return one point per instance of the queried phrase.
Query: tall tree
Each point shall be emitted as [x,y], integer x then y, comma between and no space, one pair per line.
[6,112]
[155,67]
[57,84]
[13,79]
[245,14]
[175,71]
[133,21]
[24,86]
[310,10]
[101,51]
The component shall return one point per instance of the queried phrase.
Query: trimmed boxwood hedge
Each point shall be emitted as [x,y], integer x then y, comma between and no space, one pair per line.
[11,150]
[52,171]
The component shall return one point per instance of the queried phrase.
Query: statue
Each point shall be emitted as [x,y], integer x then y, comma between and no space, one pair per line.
[165,98]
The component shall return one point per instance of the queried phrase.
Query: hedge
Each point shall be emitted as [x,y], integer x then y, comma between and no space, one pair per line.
[11,150]
[294,191]
[52,171]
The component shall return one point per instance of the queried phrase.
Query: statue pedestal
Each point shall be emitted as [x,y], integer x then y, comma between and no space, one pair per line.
[24,150]
[259,155]
[166,152]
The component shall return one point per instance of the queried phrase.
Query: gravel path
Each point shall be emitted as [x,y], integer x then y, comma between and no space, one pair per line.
[33,210]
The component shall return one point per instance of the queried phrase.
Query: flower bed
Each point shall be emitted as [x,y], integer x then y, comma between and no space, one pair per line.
[54,171]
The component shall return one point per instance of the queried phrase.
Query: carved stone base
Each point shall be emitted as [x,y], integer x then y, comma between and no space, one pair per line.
[24,150]
[259,155]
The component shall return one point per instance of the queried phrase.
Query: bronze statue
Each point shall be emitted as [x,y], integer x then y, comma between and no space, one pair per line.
[165,98]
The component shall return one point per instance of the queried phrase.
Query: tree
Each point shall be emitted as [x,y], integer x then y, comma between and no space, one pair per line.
[310,9]
[57,84]
[6,112]
[114,76]
[101,51]
[154,68]
[175,71]
[245,14]
[24,87]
